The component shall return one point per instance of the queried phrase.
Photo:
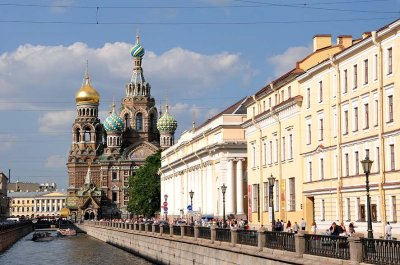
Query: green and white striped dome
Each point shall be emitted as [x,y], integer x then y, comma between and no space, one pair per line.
[113,123]
[167,123]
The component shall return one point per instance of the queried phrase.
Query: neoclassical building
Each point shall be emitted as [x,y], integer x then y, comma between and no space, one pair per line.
[104,155]
[4,200]
[202,160]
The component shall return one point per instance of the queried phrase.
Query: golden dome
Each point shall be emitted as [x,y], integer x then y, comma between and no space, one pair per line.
[87,94]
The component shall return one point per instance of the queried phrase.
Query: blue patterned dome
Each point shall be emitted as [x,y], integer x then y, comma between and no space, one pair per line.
[113,123]
[167,123]
[137,50]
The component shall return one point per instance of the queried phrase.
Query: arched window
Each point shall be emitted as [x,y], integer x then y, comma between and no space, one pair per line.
[152,122]
[127,119]
[87,135]
[78,135]
[139,122]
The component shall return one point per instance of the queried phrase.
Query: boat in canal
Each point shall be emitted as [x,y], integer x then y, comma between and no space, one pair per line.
[66,232]
[42,236]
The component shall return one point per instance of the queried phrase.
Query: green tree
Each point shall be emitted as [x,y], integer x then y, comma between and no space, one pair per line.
[145,187]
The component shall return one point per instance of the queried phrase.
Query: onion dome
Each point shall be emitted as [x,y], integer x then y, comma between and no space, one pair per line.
[113,122]
[137,50]
[87,94]
[167,123]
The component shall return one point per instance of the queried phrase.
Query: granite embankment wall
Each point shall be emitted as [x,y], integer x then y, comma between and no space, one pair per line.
[9,234]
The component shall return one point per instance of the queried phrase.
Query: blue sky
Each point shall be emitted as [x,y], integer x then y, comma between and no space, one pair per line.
[204,55]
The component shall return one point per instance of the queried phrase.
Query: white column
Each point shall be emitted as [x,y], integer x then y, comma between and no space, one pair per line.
[51,205]
[229,200]
[210,190]
[40,205]
[35,209]
[185,191]
[239,187]
[45,205]
[197,190]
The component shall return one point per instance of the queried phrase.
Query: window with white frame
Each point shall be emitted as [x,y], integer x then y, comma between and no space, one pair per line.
[389,63]
[392,157]
[289,92]
[367,153]
[366,116]
[320,91]
[322,210]
[290,146]
[264,153]
[345,122]
[292,195]
[357,162]
[310,171]
[276,201]
[348,209]
[334,85]
[309,133]
[321,129]
[355,111]
[282,95]
[270,102]
[265,195]
[321,168]
[375,67]
[253,148]
[254,207]
[335,120]
[283,148]
[365,71]
[270,152]
[378,162]
[393,209]
[308,98]
[276,99]
[347,166]
[390,108]
[376,110]
[276,150]
[345,81]
[355,76]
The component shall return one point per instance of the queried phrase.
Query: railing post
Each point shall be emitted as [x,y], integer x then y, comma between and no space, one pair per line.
[182,231]
[261,238]
[300,243]
[153,229]
[234,236]
[355,248]
[196,232]
[171,230]
[140,227]
[161,229]
[213,233]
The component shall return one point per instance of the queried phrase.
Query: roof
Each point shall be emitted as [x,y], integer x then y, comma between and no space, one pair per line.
[34,194]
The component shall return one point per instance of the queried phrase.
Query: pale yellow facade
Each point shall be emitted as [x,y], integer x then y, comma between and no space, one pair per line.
[311,127]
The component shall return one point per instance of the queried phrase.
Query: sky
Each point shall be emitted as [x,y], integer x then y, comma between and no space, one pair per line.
[204,55]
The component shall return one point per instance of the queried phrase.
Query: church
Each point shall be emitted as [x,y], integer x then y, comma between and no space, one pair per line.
[104,154]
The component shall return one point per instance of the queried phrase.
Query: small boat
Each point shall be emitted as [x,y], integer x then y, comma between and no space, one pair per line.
[42,236]
[66,232]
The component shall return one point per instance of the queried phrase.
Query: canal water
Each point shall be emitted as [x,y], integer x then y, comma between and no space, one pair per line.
[80,249]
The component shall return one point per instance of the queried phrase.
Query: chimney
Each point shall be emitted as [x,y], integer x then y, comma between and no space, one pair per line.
[344,40]
[366,35]
[322,41]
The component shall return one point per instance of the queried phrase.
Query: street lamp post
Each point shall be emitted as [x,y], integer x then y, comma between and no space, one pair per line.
[191,193]
[165,200]
[223,189]
[367,164]
[271,182]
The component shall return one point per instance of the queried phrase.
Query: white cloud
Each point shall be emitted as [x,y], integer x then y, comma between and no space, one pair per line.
[58,121]
[287,60]
[7,141]
[55,161]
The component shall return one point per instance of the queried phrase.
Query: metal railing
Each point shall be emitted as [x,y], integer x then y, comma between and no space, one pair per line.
[166,229]
[247,237]
[380,251]
[157,229]
[222,234]
[176,230]
[142,227]
[136,226]
[204,232]
[328,246]
[189,231]
[280,240]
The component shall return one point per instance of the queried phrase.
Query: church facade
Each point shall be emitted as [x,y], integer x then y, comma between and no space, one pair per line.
[104,155]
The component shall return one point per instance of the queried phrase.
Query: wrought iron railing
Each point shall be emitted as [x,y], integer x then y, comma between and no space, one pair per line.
[136,226]
[176,230]
[247,237]
[166,229]
[327,246]
[380,251]
[157,229]
[223,235]
[189,231]
[280,240]
[204,232]
[142,227]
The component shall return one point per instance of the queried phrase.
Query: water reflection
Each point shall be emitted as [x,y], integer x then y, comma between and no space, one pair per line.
[80,249]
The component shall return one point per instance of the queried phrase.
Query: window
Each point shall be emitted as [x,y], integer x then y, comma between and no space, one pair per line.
[276,99]
[289,92]
[114,175]
[321,129]
[264,105]
[366,152]
[365,71]
[378,162]
[276,150]
[270,102]
[277,196]
[356,119]
[86,136]
[321,164]
[282,95]
[283,149]
[345,85]
[265,194]
[376,67]
[355,77]
[376,112]
[322,210]
[392,161]
[390,108]
[366,116]
[357,158]
[254,111]
[348,208]
[310,171]
[308,98]
[346,159]
[292,195]
[255,198]
[127,119]
[270,152]
[254,155]
[265,153]
[393,211]
[114,196]
[309,133]
[346,122]
[139,122]
[320,91]
[291,146]
[389,61]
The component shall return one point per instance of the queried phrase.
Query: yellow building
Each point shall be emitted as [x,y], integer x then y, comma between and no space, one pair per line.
[311,128]
[36,204]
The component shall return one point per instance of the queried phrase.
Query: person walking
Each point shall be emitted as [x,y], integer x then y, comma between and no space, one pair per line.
[303,224]
[314,228]
[334,229]
[351,228]
[289,227]
[295,228]
[388,231]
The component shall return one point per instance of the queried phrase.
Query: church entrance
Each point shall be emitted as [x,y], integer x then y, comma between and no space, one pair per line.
[89,214]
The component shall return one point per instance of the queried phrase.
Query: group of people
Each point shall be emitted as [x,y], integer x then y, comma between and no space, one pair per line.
[280,226]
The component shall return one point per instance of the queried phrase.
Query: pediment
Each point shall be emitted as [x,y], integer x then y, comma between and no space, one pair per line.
[141,151]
